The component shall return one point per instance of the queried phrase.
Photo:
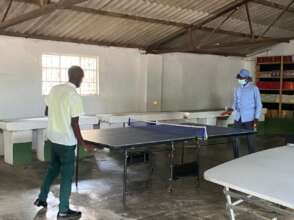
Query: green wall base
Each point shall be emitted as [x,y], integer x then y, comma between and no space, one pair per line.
[22,153]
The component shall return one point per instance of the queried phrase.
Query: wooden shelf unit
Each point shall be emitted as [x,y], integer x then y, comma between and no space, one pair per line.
[278,70]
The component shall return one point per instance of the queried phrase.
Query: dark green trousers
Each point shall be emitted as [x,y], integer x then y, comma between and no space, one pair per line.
[62,162]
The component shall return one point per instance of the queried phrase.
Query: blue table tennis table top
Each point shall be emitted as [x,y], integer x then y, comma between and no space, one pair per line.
[146,134]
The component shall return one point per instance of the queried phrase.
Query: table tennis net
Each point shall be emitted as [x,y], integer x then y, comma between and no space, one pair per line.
[188,130]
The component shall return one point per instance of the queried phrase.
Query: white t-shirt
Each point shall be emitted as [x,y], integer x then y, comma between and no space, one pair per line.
[64,103]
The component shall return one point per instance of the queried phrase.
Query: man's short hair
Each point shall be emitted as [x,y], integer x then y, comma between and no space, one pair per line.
[74,69]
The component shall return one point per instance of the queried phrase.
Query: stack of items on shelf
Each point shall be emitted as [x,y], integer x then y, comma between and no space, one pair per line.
[274,59]
[288,99]
[270,98]
[275,85]
[288,73]
[274,98]
[268,85]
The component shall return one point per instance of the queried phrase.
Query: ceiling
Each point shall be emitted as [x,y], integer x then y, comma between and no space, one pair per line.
[223,27]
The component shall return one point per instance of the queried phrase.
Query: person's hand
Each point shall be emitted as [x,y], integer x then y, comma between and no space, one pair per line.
[255,123]
[226,113]
[88,147]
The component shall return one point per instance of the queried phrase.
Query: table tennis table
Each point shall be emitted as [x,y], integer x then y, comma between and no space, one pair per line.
[142,134]
[263,176]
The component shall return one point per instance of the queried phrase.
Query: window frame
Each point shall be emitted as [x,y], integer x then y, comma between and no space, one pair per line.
[97,75]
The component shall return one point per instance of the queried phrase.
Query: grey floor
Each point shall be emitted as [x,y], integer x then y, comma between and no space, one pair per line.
[99,192]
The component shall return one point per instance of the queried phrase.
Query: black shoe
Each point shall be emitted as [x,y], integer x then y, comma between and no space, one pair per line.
[69,214]
[39,203]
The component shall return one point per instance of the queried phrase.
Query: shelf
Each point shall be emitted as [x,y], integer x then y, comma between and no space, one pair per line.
[274,77]
[284,90]
[286,103]
[270,102]
[270,63]
[269,89]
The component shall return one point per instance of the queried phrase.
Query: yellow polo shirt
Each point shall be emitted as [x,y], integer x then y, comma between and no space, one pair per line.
[64,103]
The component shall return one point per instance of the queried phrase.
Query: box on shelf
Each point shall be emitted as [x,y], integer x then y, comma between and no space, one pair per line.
[270,98]
[275,85]
[274,59]
[268,85]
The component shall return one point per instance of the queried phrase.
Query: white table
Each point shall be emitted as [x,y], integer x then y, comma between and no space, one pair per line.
[122,119]
[200,117]
[266,175]
[209,117]
[30,129]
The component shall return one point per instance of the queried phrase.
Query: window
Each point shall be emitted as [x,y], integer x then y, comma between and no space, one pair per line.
[55,67]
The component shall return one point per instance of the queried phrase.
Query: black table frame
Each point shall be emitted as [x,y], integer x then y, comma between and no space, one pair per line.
[172,143]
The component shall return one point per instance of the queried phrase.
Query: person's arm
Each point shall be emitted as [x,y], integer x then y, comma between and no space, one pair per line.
[77,110]
[234,106]
[258,104]
[77,132]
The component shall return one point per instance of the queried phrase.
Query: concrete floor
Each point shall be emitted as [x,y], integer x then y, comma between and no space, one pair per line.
[99,192]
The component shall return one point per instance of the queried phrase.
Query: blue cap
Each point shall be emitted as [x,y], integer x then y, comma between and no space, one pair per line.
[244,74]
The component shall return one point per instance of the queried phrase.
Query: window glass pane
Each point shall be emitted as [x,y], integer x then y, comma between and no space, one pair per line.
[55,71]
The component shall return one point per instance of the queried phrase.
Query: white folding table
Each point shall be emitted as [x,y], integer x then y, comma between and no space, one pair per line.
[266,175]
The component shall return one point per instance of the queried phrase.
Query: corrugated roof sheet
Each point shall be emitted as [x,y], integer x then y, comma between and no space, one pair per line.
[76,26]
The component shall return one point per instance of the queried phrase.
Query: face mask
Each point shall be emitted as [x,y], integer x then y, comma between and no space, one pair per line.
[242,82]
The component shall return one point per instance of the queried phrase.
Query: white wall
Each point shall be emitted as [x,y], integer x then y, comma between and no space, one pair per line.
[129,80]
[279,49]
[154,82]
[122,85]
[198,81]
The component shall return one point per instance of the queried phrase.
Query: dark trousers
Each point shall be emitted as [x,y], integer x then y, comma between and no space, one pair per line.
[62,162]
[250,138]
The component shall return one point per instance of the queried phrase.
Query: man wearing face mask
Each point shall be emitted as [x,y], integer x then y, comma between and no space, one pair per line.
[247,107]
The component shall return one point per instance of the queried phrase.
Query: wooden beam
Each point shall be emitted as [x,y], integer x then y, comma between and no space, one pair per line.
[6,11]
[277,18]
[214,15]
[249,20]
[273,5]
[38,12]
[197,51]
[250,42]
[70,40]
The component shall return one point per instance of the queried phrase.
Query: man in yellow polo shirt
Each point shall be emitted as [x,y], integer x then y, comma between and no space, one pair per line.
[64,107]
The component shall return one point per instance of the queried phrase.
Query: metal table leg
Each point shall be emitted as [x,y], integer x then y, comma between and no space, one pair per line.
[183,153]
[198,147]
[171,167]
[236,146]
[125,175]
[229,204]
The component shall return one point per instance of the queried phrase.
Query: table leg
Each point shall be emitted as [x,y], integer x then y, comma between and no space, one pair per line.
[198,147]
[39,143]
[183,153]
[8,147]
[125,175]
[236,146]
[229,204]
[171,167]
